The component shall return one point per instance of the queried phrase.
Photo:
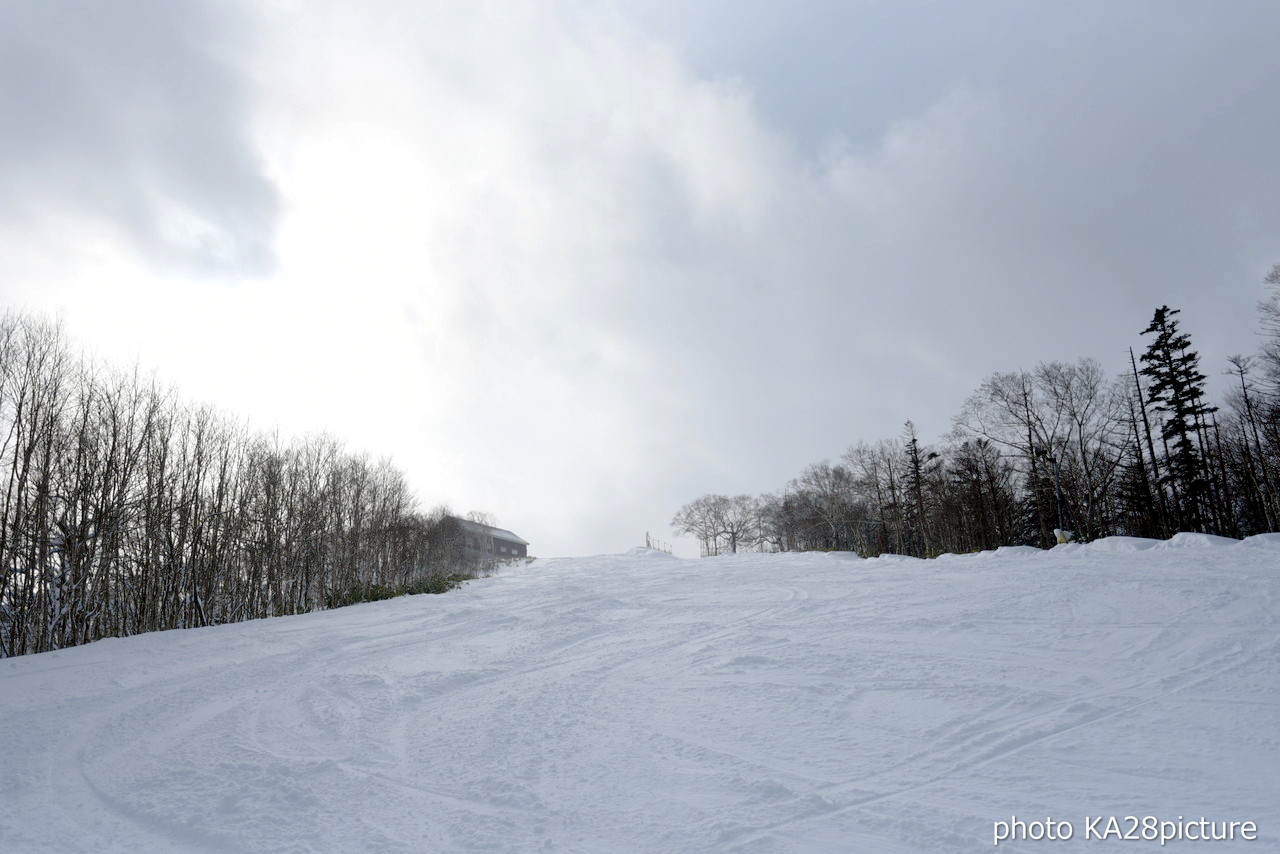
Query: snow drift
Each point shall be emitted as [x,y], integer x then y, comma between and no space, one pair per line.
[757,703]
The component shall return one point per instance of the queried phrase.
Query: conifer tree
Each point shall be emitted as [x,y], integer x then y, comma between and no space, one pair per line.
[917,468]
[1176,391]
[1269,309]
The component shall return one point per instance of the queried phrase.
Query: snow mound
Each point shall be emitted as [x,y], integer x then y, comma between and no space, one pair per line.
[641,551]
[1262,541]
[1017,551]
[1191,540]
[897,558]
[1121,544]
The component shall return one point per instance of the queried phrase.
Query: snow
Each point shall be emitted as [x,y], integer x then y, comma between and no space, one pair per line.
[1120,544]
[1262,541]
[644,551]
[754,703]
[1189,540]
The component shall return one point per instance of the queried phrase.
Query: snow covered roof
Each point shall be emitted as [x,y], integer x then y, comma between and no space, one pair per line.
[490,531]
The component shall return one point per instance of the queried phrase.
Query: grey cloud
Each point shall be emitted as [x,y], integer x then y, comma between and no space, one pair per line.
[1126,160]
[133,112]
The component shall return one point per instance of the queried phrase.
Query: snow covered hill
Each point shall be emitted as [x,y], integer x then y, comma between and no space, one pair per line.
[643,703]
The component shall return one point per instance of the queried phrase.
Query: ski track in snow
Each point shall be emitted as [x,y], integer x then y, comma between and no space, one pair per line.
[635,703]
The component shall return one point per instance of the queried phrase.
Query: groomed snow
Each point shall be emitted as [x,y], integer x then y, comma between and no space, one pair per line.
[641,703]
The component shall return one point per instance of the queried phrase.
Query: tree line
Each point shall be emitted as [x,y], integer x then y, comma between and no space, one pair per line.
[127,510]
[1064,447]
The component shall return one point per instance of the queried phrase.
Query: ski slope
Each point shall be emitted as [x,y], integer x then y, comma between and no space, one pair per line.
[643,703]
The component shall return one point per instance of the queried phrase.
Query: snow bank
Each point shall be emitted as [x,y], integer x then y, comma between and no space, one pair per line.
[627,703]
[1190,540]
[1262,541]
[1018,552]
[642,551]
[1120,544]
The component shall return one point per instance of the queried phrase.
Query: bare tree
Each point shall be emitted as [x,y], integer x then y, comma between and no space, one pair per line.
[124,510]
[700,518]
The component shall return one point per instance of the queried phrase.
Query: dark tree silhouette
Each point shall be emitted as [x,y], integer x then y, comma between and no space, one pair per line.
[1176,392]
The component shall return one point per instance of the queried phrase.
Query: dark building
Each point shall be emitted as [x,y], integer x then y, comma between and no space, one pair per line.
[490,543]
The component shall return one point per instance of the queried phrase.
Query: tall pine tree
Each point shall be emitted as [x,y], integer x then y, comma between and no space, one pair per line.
[1176,391]
[917,515]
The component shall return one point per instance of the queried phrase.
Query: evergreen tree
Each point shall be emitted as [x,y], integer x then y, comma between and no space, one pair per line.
[918,467]
[1269,309]
[1176,392]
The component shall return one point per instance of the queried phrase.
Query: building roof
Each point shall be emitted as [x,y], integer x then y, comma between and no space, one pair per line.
[490,531]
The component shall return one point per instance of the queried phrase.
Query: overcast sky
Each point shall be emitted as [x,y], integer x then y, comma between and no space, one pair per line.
[577,263]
